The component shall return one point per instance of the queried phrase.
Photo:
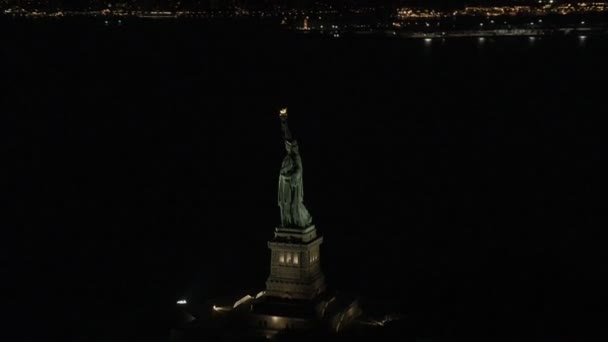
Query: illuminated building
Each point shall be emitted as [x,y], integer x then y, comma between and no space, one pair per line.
[295,270]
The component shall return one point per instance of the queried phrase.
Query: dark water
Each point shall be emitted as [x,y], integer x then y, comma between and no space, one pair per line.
[463,181]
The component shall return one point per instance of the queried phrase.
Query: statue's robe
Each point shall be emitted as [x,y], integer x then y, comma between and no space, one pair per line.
[291,190]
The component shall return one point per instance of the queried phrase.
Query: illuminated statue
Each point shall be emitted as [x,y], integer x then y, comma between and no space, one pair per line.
[291,190]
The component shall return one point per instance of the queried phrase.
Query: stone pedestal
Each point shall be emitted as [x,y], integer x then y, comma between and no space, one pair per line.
[295,270]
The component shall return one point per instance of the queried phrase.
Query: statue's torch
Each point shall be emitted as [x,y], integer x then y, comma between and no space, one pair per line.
[283,113]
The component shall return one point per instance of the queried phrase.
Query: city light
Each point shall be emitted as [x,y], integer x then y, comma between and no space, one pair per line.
[221,308]
[404,16]
[182,302]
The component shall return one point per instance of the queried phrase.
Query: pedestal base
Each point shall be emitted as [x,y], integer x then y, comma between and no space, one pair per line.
[295,270]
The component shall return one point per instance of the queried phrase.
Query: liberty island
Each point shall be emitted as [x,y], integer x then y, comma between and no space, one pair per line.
[296,299]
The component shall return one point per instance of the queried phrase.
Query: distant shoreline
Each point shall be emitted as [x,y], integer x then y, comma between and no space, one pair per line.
[273,22]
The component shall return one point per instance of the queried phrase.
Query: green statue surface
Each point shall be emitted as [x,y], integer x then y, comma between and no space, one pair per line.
[291,190]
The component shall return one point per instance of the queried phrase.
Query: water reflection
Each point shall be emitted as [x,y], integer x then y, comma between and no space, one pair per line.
[581,40]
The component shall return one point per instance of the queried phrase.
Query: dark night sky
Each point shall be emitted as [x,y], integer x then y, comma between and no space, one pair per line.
[466,183]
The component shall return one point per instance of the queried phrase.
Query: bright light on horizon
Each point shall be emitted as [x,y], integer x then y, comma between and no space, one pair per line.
[182,302]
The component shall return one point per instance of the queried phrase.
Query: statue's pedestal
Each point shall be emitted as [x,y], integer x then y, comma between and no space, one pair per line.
[295,270]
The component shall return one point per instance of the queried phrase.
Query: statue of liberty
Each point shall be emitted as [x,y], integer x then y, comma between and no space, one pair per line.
[291,190]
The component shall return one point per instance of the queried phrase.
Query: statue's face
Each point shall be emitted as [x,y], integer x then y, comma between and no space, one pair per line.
[291,149]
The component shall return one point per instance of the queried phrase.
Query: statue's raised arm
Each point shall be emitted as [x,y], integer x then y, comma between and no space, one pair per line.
[291,190]
[286,132]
